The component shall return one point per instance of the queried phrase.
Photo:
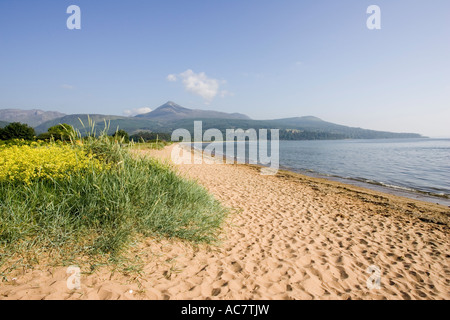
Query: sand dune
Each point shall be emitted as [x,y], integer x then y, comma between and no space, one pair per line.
[291,237]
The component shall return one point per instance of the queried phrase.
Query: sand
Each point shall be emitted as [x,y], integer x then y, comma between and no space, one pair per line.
[290,237]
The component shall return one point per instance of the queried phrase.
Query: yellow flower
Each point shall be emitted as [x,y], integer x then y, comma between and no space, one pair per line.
[45,161]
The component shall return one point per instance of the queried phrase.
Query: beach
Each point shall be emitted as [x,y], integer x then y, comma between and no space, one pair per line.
[288,237]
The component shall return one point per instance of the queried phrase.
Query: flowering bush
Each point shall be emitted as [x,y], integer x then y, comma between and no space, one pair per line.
[105,200]
[27,163]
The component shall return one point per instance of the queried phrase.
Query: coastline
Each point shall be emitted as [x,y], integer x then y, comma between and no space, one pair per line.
[396,190]
[290,237]
[425,210]
[411,194]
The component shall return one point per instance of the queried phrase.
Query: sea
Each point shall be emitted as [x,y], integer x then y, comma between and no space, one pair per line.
[414,168]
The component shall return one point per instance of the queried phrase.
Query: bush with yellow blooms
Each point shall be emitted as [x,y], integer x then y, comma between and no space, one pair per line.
[38,161]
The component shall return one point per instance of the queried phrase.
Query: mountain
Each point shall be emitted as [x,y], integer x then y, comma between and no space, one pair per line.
[31,117]
[171,111]
[3,124]
[171,116]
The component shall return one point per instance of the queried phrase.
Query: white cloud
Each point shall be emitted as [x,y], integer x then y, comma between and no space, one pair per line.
[199,84]
[172,78]
[136,111]
[67,86]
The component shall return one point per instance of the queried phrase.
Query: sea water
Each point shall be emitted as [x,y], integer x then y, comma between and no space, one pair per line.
[416,168]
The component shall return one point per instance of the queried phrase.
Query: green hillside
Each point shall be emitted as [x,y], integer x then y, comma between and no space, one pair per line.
[304,128]
[130,125]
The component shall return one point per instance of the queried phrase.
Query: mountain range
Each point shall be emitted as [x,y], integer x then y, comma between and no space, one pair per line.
[31,117]
[171,116]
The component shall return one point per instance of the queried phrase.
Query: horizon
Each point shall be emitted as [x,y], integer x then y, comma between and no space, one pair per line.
[262,59]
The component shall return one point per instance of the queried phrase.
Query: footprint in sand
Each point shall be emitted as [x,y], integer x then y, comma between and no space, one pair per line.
[236,267]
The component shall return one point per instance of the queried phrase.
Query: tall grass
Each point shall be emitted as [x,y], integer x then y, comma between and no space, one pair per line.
[158,145]
[102,213]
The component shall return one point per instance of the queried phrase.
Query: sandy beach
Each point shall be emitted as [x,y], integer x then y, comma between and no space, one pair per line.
[289,237]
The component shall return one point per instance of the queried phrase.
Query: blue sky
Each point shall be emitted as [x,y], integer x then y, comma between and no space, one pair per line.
[267,59]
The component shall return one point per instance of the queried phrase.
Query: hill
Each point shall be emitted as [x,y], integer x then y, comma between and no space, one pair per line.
[171,111]
[128,124]
[304,128]
[33,117]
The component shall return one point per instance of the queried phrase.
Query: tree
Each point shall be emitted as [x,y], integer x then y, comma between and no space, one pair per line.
[17,130]
[44,136]
[151,136]
[122,134]
[61,131]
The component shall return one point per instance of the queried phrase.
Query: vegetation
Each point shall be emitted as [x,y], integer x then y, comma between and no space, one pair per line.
[124,123]
[59,132]
[121,135]
[308,135]
[151,136]
[306,128]
[92,201]
[38,162]
[17,130]
[151,140]
[155,144]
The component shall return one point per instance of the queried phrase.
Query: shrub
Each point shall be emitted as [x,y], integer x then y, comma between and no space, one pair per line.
[62,132]
[44,136]
[49,162]
[17,130]
[151,136]
[122,135]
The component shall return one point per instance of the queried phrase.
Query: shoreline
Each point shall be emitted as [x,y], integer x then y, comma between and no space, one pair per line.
[440,213]
[376,186]
[412,194]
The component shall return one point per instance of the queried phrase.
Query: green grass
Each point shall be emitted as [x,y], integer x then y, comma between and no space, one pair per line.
[158,145]
[101,215]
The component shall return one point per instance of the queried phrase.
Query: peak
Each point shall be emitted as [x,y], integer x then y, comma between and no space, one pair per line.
[170,104]
[311,118]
